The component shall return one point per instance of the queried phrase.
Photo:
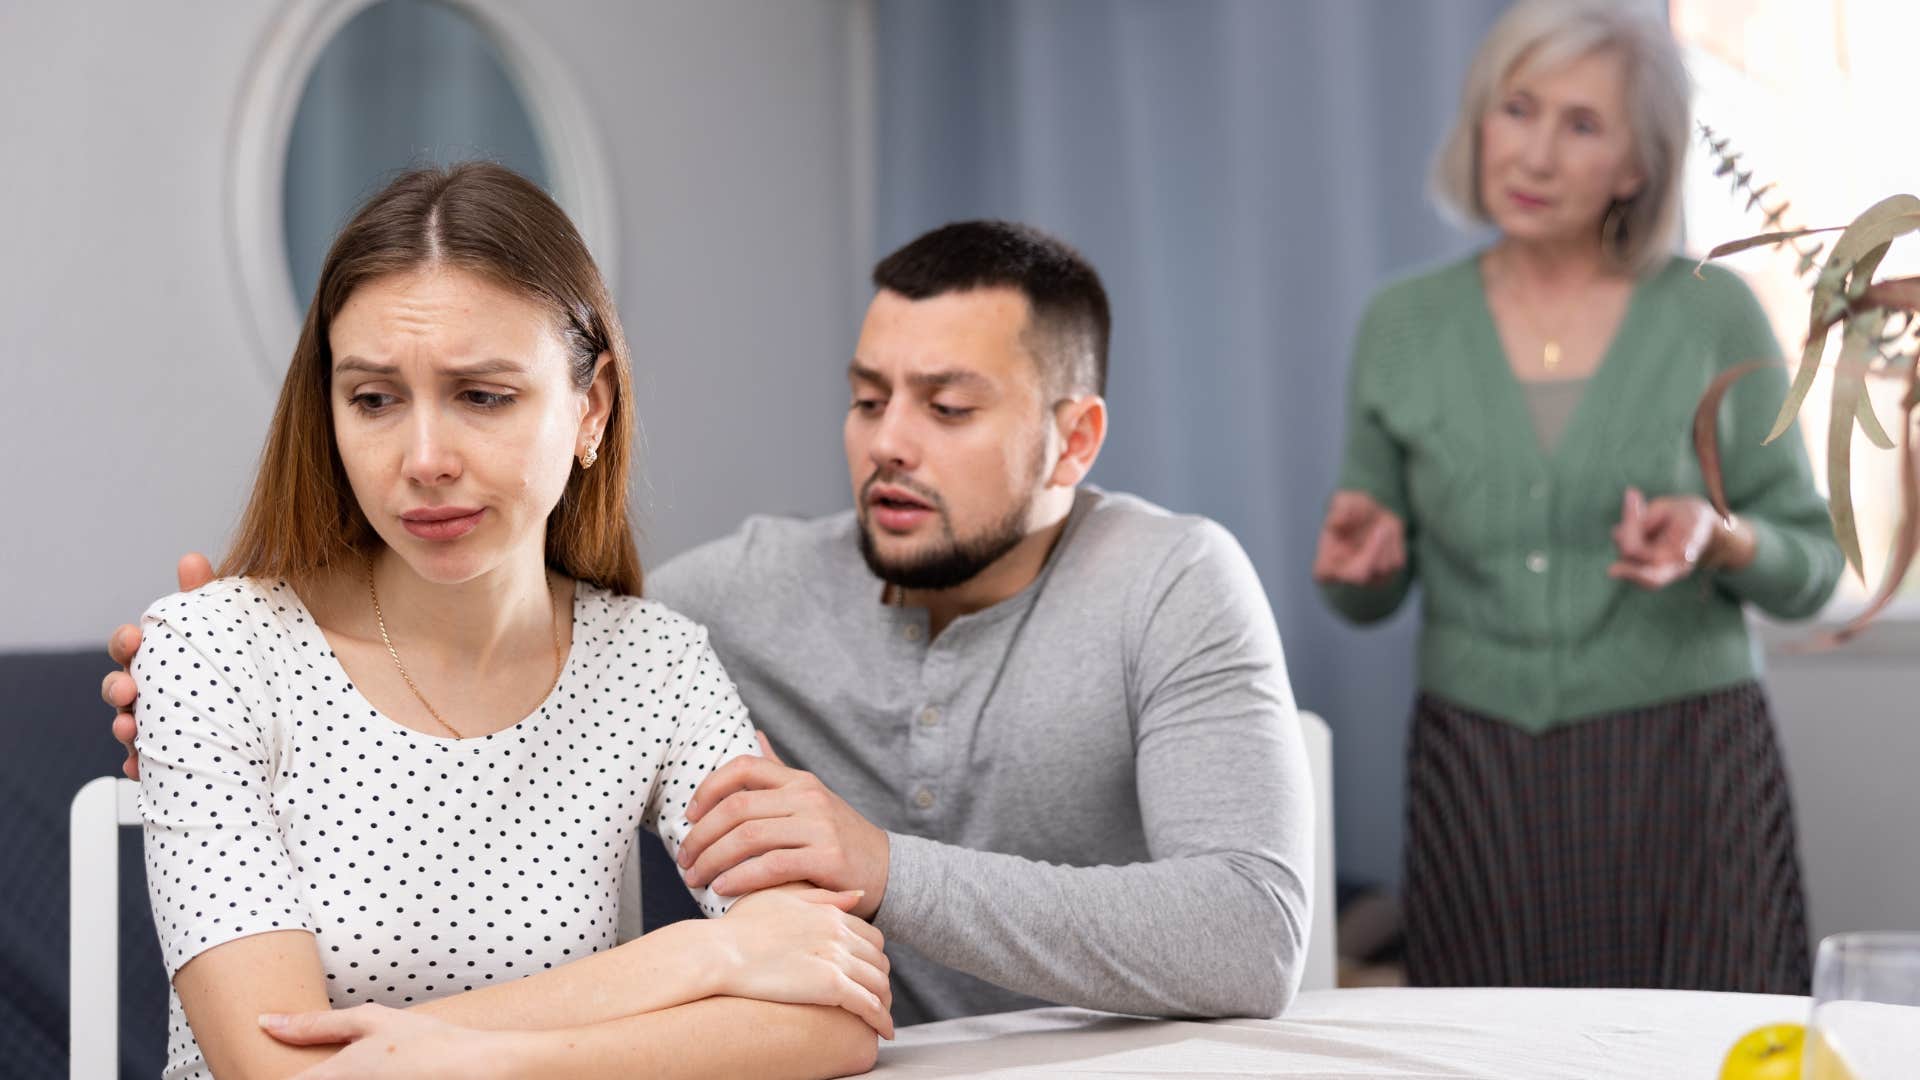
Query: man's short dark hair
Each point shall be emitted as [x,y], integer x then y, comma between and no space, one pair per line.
[1070,323]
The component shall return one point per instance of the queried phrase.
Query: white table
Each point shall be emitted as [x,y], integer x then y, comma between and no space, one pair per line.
[1380,1034]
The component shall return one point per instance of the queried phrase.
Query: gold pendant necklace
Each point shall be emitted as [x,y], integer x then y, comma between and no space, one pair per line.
[559,657]
[1527,311]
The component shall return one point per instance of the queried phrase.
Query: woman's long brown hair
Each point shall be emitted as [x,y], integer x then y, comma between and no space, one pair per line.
[484,219]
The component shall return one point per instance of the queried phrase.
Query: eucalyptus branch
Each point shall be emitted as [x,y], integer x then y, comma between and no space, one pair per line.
[1889,357]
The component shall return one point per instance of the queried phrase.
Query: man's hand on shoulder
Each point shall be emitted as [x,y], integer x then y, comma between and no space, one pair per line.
[758,823]
[117,688]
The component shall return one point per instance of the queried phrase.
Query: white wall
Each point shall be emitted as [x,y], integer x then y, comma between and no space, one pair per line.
[1850,729]
[131,411]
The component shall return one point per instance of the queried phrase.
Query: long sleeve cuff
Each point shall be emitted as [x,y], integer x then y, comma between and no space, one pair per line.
[909,903]
[1780,579]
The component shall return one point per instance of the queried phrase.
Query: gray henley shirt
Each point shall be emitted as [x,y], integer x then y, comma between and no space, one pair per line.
[1095,791]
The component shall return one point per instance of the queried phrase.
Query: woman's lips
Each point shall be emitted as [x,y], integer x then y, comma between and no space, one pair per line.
[1527,202]
[441,524]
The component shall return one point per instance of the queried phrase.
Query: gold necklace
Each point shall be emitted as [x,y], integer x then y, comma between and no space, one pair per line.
[1550,353]
[559,657]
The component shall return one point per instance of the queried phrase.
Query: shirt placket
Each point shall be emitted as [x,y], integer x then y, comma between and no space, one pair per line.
[928,745]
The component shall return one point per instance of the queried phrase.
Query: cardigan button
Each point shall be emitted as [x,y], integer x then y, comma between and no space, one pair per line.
[1537,562]
[1538,490]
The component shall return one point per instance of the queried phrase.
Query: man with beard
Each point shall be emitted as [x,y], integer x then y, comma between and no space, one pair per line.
[1047,729]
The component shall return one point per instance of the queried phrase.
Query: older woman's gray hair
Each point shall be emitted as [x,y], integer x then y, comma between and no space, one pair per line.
[1543,34]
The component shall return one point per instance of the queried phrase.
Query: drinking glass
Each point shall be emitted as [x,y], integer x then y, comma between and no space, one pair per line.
[1866,1008]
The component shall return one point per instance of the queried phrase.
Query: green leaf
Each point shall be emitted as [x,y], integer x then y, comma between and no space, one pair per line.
[1869,325]
[1849,386]
[1853,255]
[1734,247]
[1906,543]
[1803,377]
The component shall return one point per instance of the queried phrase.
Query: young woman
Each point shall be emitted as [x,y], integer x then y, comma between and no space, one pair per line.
[394,758]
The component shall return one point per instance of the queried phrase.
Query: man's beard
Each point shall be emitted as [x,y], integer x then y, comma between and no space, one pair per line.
[952,562]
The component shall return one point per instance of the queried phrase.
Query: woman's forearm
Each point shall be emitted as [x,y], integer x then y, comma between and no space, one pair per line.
[673,965]
[717,1036]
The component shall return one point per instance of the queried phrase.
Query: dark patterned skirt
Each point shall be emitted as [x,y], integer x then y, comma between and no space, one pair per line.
[1647,848]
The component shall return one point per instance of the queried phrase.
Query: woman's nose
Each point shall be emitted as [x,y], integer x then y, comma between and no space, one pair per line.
[432,456]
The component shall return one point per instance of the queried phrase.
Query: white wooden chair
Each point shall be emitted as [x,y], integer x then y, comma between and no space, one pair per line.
[1321,950]
[99,811]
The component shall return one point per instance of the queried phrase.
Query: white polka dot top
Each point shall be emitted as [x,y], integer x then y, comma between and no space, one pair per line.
[275,797]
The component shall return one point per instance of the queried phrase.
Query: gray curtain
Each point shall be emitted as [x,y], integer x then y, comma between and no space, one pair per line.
[1243,173]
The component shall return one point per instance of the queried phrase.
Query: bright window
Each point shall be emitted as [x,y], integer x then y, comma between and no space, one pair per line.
[1804,89]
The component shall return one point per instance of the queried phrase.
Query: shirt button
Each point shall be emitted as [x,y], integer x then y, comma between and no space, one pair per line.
[1537,562]
[923,799]
[929,716]
[912,632]
[1538,490]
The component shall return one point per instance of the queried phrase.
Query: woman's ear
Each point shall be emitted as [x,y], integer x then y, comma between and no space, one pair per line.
[600,392]
[1633,180]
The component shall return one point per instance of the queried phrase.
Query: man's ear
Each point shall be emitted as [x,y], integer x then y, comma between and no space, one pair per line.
[1082,424]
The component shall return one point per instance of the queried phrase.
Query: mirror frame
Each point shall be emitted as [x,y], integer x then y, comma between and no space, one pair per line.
[263,127]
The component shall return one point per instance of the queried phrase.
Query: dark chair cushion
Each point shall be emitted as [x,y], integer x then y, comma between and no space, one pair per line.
[53,739]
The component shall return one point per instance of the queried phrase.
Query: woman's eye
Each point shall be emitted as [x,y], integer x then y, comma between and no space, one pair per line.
[370,402]
[952,412]
[868,406]
[487,399]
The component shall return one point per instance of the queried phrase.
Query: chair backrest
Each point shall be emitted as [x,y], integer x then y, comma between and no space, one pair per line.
[93,925]
[1321,968]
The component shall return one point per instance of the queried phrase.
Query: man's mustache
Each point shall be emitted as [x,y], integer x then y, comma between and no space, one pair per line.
[882,476]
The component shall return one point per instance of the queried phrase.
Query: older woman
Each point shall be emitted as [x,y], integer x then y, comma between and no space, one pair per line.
[1596,797]
[393,758]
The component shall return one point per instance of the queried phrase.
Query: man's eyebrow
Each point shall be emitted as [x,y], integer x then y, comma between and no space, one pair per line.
[935,380]
[931,380]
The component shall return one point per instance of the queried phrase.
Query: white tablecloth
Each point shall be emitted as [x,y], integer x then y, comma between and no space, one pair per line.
[1381,1034]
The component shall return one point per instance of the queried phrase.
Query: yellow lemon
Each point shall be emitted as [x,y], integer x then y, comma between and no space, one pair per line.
[1771,1052]
[1824,1061]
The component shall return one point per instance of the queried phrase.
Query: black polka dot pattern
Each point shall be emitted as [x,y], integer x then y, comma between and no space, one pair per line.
[275,797]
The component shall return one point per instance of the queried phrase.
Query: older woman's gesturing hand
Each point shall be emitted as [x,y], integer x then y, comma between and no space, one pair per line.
[800,946]
[1663,539]
[1361,543]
